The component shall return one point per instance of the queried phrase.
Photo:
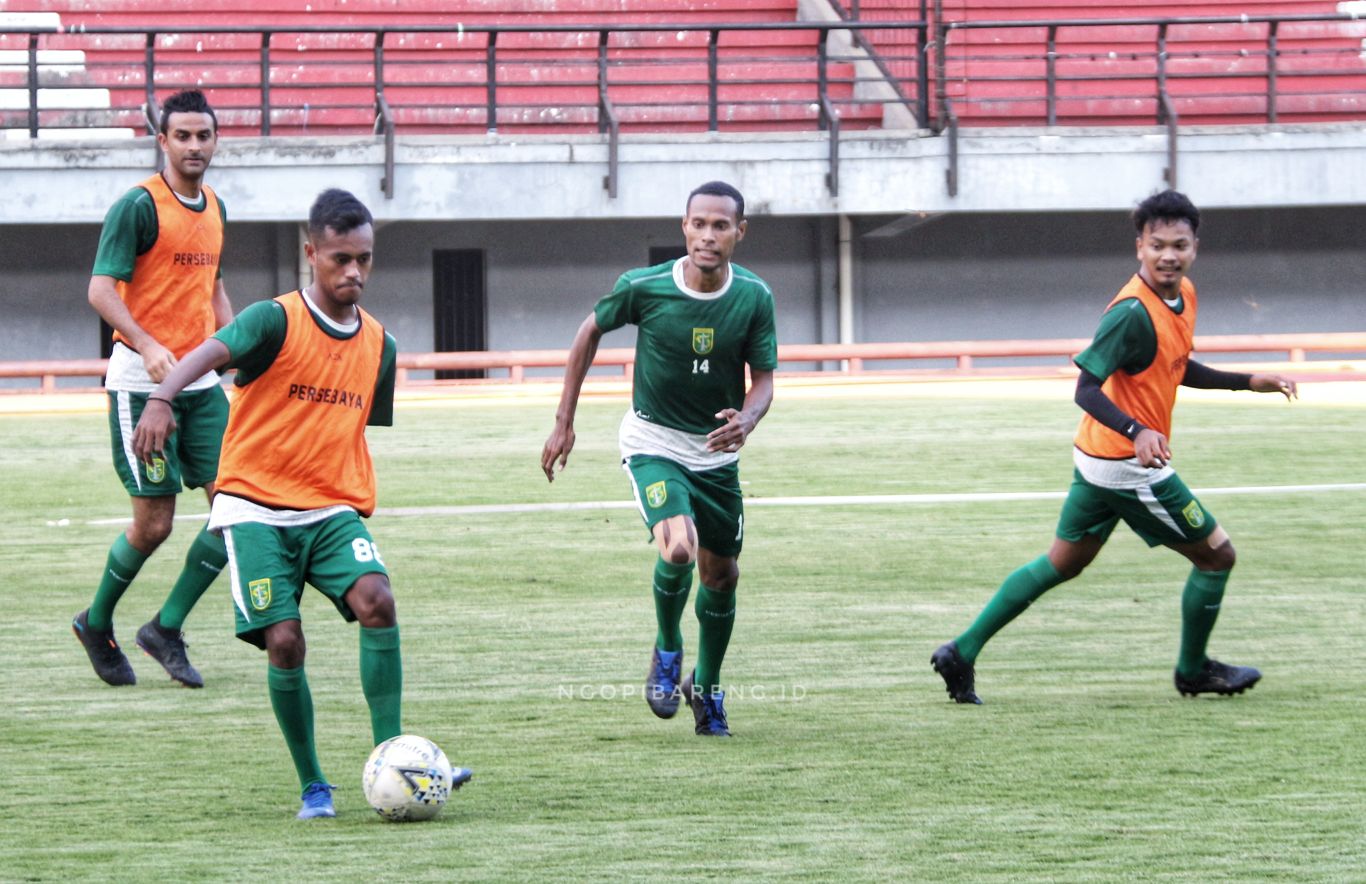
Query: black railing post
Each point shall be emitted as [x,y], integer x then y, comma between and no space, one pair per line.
[265,82]
[1162,72]
[822,86]
[607,118]
[713,89]
[491,78]
[384,117]
[1052,67]
[153,114]
[32,85]
[951,173]
[922,71]
[1272,57]
[602,80]
[941,49]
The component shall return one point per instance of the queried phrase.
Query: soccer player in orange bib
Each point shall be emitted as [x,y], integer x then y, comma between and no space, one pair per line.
[313,370]
[156,282]
[1122,458]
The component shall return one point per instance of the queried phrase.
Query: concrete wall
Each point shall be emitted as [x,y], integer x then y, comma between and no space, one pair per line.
[954,276]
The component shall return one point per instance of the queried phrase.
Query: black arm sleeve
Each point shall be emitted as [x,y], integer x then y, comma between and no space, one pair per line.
[1094,402]
[1205,378]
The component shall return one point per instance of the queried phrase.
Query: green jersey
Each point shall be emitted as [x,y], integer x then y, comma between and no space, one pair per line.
[1126,340]
[255,336]
[130,229]
[691,347]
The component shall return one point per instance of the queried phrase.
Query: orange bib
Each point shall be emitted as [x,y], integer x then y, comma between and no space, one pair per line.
[171,295]
[1149,395]
[296,433]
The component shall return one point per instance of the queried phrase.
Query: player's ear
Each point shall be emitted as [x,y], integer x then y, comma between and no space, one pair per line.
[740,229]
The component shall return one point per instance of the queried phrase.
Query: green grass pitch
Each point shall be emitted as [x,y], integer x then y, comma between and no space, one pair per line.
[526,636]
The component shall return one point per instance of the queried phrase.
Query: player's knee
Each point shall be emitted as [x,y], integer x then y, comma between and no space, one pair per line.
[1222,557]
[676,538]
[372,601]
[146,535]
[285,645]
[679,554]
[722,576]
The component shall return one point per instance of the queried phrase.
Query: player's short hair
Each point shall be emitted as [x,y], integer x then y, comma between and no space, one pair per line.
[717,188]
[1169,206]
[339,210]
[189,101]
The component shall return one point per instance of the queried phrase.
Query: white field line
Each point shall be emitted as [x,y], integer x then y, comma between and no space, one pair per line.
[833,500]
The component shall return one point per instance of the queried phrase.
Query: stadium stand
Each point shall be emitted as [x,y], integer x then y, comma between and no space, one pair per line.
[1104,74]
[437,81]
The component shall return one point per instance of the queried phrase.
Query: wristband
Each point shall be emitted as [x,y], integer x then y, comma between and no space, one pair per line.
[158,399]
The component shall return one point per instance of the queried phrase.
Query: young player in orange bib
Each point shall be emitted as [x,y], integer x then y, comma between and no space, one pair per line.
[1122,458]
[313,371]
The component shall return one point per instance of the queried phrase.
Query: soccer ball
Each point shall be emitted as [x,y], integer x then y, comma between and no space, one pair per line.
[407,778]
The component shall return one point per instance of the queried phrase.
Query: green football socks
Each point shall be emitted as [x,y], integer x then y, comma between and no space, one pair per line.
[715,618]
[120,568]
[381,679]
[1018,592]
[671,586]
[293,705]
[206,558]
[1199,609]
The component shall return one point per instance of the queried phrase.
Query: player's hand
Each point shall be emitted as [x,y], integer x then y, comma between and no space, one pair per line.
[155,426]
[1274,383]
[557,447]
[731,435]
[1150,447]
[157,360]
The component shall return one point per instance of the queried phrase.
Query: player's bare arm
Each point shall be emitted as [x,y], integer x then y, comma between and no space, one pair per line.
[581,354]
[104,297]
[731,435]
[222,307]
[157,423]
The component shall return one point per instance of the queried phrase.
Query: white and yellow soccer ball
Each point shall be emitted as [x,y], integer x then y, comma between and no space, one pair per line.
[407,778]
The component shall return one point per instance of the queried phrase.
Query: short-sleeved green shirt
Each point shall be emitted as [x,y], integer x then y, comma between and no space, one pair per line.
[254,339]
[691,347]
[130,229]
[1126,339]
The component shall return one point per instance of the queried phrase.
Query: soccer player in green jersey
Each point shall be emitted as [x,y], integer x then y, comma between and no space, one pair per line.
[700,320]
[1122,458]
[156,282]
[313,371]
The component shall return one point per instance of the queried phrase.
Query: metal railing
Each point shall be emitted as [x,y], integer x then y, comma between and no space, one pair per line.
[1200,68]
[520,79]
[622,78]
[853,359]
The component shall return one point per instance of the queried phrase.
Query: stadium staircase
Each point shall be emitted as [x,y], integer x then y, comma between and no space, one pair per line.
[436,82]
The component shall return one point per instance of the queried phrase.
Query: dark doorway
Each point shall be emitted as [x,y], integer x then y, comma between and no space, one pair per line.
[460,306]
[106,339]
[660,254]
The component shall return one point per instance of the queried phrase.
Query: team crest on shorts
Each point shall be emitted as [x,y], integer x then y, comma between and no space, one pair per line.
[259,592]
[156,470]
[1195,517]
[656,494]
[703,339]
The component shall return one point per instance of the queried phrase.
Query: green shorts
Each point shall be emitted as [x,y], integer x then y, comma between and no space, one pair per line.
[269,566]
[712,498]
[191,456]
[1163,514]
